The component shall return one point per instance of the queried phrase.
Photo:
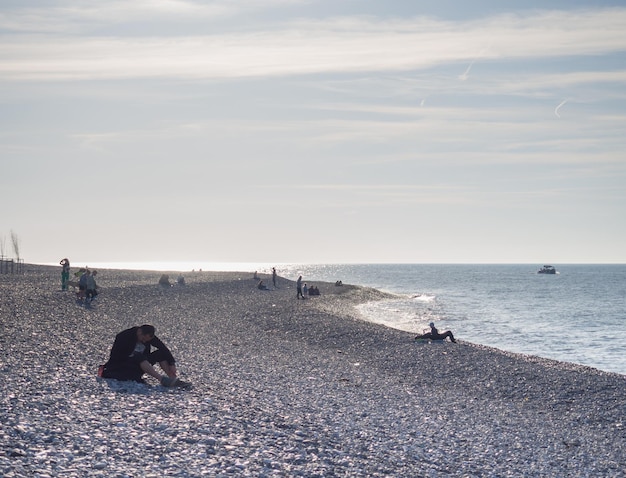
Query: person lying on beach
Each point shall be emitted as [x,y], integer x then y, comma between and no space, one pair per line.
[435,335]
[131,357]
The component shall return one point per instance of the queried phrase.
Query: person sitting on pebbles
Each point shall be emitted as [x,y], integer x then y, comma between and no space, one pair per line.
[164,281]
[131,357]
[435,335]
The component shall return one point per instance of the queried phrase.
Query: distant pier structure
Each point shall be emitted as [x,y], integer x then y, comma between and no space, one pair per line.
[11,266]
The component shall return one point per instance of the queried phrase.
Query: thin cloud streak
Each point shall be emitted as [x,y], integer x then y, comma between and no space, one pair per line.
[70,17]
[465,75]
[312,48]
[420,87]
[556,110]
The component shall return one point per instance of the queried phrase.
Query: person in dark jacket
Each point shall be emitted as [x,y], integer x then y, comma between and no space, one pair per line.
[299,288]
[132,356]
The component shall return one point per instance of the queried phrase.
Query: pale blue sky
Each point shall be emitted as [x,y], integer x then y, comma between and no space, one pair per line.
[314,131]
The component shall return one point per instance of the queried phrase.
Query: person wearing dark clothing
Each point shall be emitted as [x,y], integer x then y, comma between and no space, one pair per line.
[132,356]
[274,275]
[299,288]
[435,335]
[82,283]
[91,286]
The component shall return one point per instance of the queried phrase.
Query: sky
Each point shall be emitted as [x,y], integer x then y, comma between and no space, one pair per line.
[313,131]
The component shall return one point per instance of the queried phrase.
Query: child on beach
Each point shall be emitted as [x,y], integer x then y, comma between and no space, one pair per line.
[435,335]
[65,273]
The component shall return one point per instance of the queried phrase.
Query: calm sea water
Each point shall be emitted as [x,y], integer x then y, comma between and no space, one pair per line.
[577,315]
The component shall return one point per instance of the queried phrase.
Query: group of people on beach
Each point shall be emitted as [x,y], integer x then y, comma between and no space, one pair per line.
[87,283]
[164,280]
[313,290]
[302,290]
[87,287]
[433,334]
[132,355]
[261,284]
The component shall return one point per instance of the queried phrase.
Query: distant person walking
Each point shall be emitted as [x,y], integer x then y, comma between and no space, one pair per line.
[435,335]
[65,273]
[274,276]
[299,288]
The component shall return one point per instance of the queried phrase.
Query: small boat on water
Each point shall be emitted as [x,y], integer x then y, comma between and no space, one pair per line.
[547,270]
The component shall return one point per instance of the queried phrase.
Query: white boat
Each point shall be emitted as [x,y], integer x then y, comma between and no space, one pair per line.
[547,270]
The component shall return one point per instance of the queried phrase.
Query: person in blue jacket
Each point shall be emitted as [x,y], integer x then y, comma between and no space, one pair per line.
[132,356]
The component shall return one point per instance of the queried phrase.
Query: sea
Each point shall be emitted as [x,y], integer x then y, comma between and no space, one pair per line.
[577,315]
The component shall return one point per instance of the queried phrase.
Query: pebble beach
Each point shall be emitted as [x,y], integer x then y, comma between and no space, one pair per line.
[282,387]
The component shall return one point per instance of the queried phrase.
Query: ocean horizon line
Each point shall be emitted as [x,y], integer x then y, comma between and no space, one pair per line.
[243,266]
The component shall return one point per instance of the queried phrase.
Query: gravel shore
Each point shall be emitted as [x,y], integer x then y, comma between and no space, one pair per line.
[282,387]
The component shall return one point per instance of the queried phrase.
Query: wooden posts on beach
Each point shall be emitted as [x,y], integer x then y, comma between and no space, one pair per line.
[11,266]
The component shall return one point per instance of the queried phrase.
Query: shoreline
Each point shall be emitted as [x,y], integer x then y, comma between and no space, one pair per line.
[516,333]
[284,388]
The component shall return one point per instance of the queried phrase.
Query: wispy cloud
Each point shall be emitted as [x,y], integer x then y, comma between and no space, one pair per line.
[505,82]
[465,75]
[342,45]
[556,110]
[89,15]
